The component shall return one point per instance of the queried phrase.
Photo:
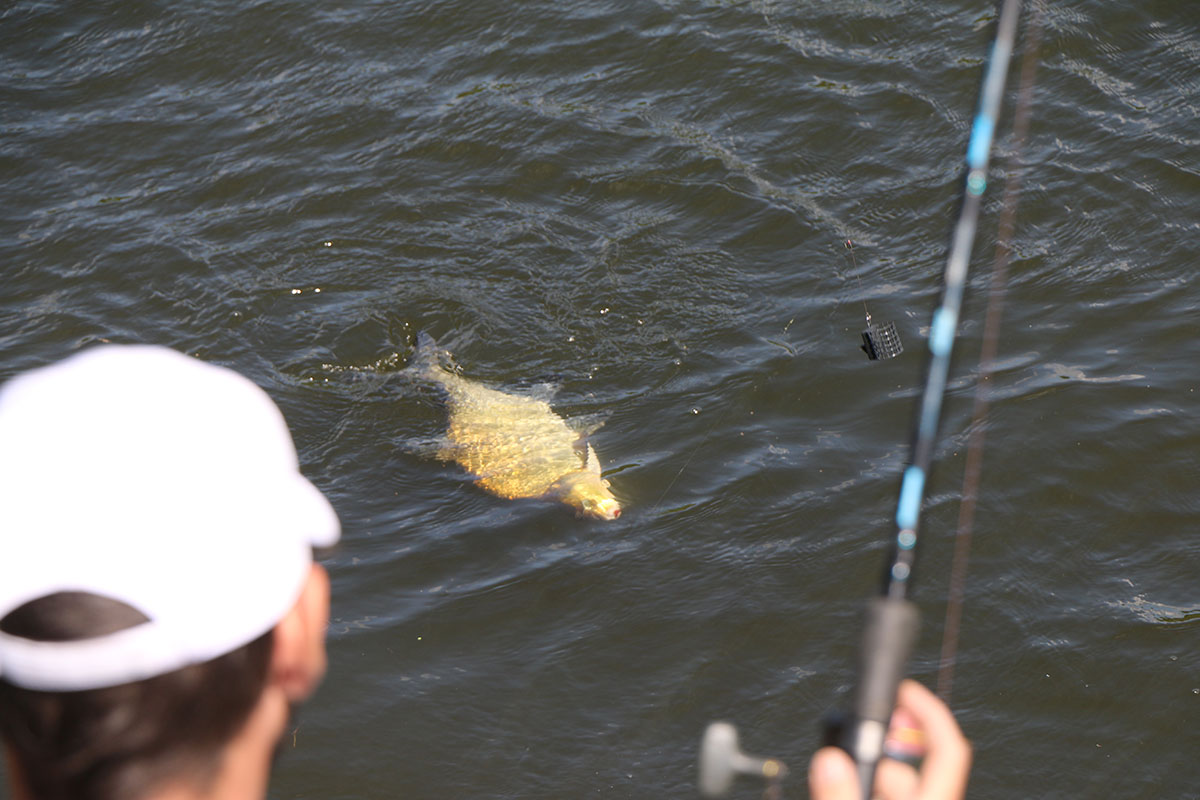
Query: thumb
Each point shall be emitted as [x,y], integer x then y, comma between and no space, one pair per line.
[832,776]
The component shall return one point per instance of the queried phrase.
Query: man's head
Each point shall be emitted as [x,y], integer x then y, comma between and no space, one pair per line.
[157,581]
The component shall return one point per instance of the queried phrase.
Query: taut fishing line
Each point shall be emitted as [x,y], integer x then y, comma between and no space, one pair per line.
[880,340]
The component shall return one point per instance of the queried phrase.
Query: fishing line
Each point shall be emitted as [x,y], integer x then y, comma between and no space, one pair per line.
[854,266]
[695,450]
[973,469]
[879,340]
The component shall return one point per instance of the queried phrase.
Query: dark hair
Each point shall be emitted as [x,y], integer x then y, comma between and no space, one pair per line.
[123,741]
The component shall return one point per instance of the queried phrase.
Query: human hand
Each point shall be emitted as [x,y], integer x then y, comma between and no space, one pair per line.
[943,774]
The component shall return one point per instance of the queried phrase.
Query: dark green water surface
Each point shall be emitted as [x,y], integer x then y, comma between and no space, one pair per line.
[645,203]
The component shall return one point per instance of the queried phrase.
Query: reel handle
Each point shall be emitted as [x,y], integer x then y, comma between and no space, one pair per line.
[722,760]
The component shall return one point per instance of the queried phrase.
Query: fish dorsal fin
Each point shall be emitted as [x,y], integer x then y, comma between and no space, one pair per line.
[592,462]
[587,424]
[544,391]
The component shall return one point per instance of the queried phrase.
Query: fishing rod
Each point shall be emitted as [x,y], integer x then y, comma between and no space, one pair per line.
[892,619]
[973,468]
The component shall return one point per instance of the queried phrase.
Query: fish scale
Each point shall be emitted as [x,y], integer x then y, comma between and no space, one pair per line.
[516,446]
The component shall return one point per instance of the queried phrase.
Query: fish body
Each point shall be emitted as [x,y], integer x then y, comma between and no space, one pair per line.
[515,445]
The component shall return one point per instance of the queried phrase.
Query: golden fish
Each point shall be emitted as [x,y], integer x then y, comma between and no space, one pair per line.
[516,446]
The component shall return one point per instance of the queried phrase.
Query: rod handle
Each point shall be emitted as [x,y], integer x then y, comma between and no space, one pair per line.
[891,631]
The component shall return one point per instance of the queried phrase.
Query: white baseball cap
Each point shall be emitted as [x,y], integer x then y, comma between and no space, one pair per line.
[153,478]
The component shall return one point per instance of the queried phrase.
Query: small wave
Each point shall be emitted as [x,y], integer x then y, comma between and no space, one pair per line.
[1158,613]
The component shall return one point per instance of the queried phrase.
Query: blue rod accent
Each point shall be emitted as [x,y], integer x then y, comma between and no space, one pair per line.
[941,334]
[981,141]
[911,490]
[943,328]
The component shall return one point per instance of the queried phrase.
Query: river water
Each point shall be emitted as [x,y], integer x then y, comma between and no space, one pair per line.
[645,203]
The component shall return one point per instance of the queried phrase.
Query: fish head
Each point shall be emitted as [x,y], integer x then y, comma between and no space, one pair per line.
[588,494]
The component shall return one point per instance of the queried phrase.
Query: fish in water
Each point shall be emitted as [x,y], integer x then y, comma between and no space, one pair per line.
[516,446]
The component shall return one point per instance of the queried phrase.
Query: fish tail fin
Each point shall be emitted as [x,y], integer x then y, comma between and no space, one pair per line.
[425,361]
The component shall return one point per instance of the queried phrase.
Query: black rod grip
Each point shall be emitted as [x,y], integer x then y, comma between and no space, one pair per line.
[891,631]
[887,644]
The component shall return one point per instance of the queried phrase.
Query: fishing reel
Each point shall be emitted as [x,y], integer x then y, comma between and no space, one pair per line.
[722,760]
[890,631]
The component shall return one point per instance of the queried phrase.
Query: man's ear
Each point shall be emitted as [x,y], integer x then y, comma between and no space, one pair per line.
[298,659]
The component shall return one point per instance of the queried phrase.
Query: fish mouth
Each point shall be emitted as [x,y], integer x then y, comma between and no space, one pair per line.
[587,504]
[610,513]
